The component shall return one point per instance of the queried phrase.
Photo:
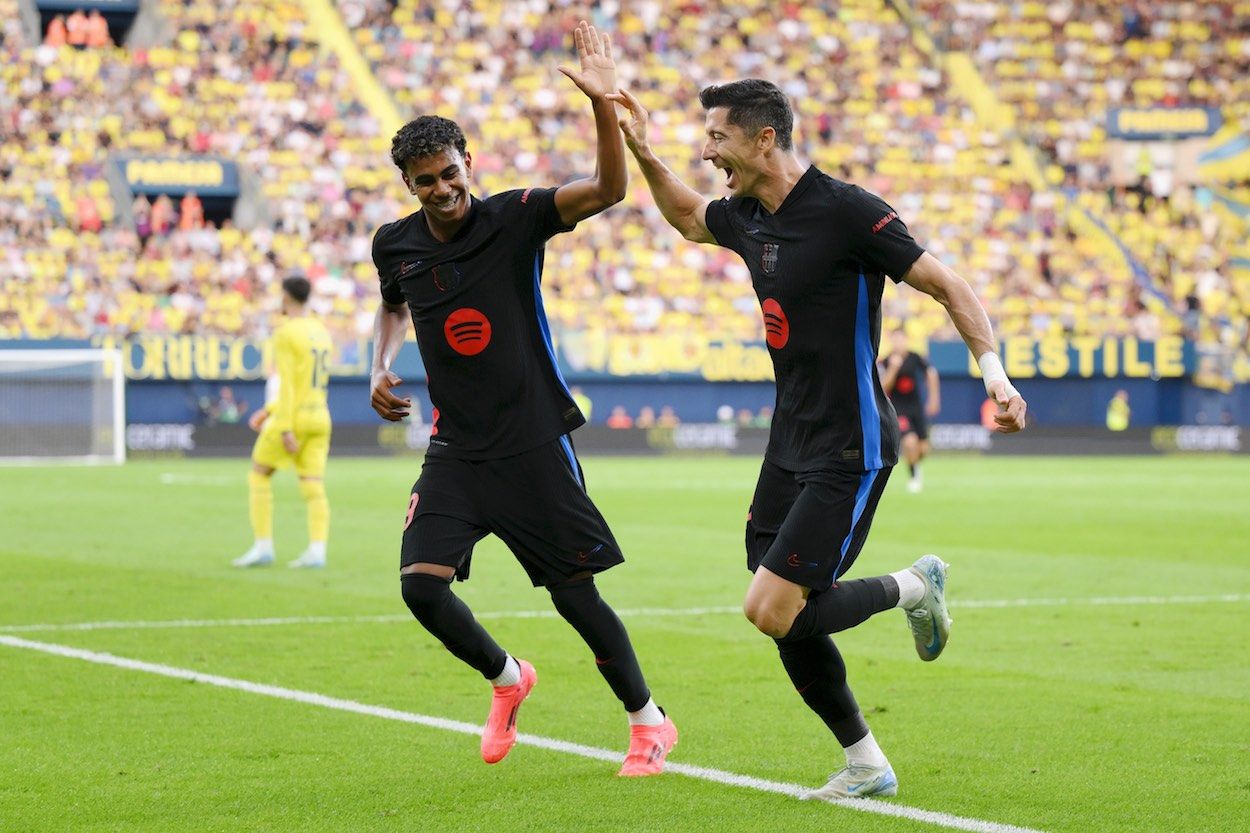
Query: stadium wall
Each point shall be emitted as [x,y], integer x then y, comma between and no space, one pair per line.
[1052,402]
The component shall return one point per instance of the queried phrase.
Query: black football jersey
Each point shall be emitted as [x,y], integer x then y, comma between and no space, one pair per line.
[818,266]
[908,382]
[477,307]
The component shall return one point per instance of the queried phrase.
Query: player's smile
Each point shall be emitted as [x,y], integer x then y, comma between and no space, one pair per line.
[441,183]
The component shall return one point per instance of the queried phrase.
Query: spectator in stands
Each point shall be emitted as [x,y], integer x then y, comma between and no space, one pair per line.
[163,215]
[646,417]
[98,30]
[725,414]
[190,212]
[620,418]
[1118,412]
[764,419]
[88,214]
[76,26]
[745,417]
[57,34]
[141,210]
[668,417]
[227,410]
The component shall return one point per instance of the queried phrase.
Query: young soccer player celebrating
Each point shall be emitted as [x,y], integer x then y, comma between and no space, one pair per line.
[819,251]
[295,432]
[500,458]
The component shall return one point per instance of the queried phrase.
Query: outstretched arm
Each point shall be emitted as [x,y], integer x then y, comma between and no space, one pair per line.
[931,276]
[683,207]
[596,77]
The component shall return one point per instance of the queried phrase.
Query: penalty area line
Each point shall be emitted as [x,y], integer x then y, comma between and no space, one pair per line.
[718,776]
[627,612]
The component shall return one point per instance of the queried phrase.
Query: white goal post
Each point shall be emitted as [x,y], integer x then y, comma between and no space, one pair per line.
[62,406]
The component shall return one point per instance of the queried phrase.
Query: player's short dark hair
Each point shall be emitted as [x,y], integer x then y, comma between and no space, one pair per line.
[753,105]
[297,288]
[425,136]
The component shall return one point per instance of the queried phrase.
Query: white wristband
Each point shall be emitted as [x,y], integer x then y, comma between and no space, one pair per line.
[992,371]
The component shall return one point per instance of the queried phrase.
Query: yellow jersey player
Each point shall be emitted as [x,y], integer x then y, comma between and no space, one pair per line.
[295,430]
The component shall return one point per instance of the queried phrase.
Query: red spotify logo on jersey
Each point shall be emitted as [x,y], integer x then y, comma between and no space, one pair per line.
[467,331]
[905,384]
[776,325]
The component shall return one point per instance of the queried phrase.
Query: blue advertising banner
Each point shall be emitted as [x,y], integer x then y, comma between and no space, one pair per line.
[207,176]
[119,7]
[646,358]
[1152,123]
[1080,357]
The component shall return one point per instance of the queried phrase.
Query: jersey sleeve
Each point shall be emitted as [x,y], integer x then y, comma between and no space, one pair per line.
[879,236]
[535,209]
[387,276]
[718,223]
[283,415]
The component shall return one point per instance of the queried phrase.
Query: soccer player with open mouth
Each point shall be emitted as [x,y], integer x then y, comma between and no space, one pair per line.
[819,251]
[500,458]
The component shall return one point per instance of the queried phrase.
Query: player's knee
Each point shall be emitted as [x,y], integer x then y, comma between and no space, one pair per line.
[574,596]
[312,489]
[424,593]
[768,618]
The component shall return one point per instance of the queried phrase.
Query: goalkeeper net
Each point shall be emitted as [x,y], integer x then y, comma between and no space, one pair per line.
[62,406]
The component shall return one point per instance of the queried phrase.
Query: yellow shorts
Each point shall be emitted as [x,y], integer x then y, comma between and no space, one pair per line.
[309,461]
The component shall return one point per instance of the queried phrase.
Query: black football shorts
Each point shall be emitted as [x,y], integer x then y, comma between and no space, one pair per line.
[536,502]
[809,527]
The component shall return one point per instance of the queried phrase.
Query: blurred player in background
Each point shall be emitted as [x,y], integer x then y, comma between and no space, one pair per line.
[294,430]
[819,251]
[914,390]
[500,458]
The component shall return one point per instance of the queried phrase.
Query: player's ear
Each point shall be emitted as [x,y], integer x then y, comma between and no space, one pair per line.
[766,139]
[468,165]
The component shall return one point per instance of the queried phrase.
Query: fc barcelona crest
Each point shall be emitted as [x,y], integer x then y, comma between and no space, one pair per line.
[446,276]
[770,257]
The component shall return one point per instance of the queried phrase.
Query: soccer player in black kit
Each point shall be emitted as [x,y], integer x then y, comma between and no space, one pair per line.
[819,251]
[916,394]
[500,459]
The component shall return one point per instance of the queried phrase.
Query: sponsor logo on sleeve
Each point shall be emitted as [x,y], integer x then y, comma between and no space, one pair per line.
[885,221]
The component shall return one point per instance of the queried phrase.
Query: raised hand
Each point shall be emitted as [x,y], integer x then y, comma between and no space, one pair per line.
[634,122]
[597,74]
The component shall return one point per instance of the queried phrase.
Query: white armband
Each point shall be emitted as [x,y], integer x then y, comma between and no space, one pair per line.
[992,371]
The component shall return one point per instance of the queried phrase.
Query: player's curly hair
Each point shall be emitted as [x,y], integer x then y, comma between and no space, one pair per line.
[425,136]
[753,105]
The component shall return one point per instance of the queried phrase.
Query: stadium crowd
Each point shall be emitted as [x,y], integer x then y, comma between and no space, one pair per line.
[240,79]
[1062,66]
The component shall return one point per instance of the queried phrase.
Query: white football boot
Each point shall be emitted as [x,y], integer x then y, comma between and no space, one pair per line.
[856,781]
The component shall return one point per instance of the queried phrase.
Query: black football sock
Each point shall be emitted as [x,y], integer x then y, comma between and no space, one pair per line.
[911,467]
[582,607]
[443,614]
[816,668]
[844,605]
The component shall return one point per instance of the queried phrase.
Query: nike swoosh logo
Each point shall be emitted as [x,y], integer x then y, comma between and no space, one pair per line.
[933,646]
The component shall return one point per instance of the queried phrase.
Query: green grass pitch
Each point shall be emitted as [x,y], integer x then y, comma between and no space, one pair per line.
[1079,717]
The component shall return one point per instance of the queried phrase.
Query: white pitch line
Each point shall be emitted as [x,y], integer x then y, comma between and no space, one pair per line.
[719,776]
[150,624]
